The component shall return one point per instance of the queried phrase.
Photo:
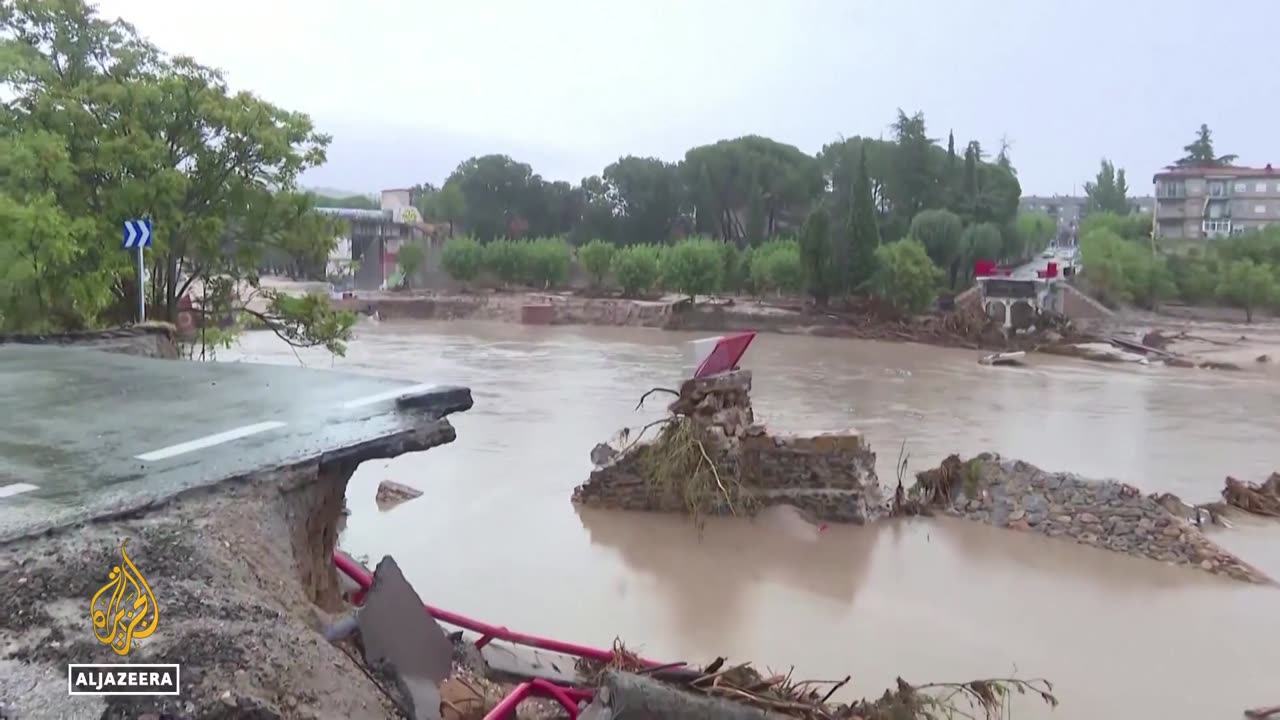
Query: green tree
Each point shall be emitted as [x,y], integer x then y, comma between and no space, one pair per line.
[410,257]
[777,266]
[1034,231]
[864,232]
[1136,227]
[693,267]
[354,202]
[1120,271]
[505,260]
[497,194]
[1200,152]
[722,178]
[636,268]
[448,204]
[905,277]
[545,262]
[940,231]
[463,258]
[597,258]
[817,257]
[1248,285]
[645,196]
[983,241]
[121,131]
[1107,193]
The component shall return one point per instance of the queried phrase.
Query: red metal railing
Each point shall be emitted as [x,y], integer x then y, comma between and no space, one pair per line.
[568,697]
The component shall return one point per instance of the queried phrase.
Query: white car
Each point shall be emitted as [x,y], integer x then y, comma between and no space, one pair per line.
[1047,255]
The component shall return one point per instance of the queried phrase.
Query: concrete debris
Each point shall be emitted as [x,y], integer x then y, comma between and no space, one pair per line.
[391,493]
[400,641]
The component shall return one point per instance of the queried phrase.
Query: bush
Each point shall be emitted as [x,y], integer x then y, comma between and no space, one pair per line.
[545,262]
[736,275]
[1123,271]
[463,258]
[597,257]
[776,265]
[694,267]
[636,268]
[504,258]
[1248,285]
[905,277]
[410,258]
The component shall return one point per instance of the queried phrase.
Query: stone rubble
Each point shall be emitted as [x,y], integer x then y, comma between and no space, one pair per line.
[1102,513]
[831,476]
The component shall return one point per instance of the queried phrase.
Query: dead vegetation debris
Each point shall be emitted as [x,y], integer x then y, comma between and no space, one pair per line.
[783,695]
[1254,498]
[679,466]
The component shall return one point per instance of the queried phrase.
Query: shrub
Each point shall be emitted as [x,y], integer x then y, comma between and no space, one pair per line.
[463,258]
[1124,271]
[636,268]
[694,267]
[905,277]
[545,262]
[410,258]
[776,265]
[597,258]
[504,258]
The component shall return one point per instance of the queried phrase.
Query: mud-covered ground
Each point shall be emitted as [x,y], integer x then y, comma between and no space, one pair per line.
[237,610]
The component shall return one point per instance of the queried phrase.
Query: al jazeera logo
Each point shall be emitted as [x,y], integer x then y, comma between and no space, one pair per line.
[124,611]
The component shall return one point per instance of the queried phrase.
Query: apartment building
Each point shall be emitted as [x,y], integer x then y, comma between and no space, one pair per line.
[1208,203]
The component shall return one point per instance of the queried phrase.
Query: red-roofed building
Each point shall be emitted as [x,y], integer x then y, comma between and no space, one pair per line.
[1199,203]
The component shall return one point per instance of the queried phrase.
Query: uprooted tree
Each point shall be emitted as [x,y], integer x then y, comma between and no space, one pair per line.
[102,127]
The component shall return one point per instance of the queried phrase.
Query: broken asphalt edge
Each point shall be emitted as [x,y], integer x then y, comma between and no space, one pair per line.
[431,429]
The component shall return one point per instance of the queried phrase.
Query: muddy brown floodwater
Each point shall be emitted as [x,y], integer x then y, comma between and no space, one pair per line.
[496,537]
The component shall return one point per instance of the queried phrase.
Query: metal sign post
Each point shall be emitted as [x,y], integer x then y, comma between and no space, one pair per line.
[137,235]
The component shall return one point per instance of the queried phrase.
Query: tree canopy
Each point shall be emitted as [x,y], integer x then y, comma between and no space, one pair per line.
[1200,152]
[102,127]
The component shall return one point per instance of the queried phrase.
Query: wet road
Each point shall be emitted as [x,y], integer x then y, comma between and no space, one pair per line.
[495,535]
[86,432]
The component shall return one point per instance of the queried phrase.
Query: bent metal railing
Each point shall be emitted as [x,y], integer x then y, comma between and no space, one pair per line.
[567,697]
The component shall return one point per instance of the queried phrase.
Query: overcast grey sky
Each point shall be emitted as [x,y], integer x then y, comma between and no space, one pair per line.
[408,88]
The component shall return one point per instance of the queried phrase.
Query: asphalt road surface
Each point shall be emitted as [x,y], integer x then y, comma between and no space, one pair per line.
[84,432]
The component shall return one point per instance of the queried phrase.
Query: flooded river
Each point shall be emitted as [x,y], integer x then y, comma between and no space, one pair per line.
[496,537]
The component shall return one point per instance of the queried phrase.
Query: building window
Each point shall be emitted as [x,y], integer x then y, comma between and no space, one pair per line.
[1260,209]
[1260,187]
[1242,187]
[1217,188]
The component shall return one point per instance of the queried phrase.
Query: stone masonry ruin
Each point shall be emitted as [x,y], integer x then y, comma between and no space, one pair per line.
[711,457]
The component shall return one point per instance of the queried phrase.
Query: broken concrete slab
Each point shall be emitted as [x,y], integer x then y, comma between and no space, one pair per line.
[403,642]
[391,493]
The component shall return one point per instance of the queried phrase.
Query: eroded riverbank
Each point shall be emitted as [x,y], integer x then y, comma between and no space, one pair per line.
[1092,621]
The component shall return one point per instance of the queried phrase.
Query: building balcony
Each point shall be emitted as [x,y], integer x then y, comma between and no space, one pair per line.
[1216,228]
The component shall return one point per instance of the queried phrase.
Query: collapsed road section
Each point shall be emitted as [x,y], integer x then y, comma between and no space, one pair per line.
[208,496]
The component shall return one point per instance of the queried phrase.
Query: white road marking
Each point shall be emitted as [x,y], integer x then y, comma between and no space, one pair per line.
[388,395]
[210,440]
[16,488]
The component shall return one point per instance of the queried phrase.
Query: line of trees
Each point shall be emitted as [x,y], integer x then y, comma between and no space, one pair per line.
[832,212]
[744,191]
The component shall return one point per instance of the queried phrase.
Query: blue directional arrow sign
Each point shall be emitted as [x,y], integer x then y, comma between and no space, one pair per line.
[137,234]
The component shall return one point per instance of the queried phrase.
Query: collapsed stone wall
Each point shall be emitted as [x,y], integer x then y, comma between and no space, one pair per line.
[829,475]
[1104,514]
[152,339]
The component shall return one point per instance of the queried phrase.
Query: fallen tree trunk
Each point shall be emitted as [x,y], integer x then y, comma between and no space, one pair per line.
[627,696]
